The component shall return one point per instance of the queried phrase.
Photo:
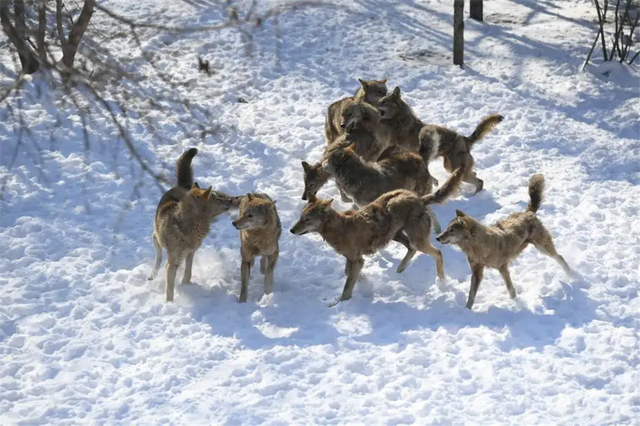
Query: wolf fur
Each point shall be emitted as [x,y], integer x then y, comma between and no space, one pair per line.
[355,234]
[498,245]
[400,122]
[369,91]
[260,230]
[182,220]
[455,148]
[364,181]
[363,132]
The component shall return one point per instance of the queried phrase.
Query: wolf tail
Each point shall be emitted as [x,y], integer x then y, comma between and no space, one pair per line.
[536,187]
[485,126]
[429,144]
[447,189]
[184,172]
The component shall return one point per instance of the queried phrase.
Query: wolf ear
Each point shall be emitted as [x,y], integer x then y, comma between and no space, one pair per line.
[396,92]
[383,81]
[195,185]
[305,166]
[250,196]
[460,213]
[205,194]
[363,83]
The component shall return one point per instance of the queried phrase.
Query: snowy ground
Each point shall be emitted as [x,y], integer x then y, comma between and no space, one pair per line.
[85,339]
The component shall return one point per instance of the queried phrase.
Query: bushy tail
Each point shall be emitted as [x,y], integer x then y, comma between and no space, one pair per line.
[485,126]
[429,144]
[184,172]
[447,189]
[536,187]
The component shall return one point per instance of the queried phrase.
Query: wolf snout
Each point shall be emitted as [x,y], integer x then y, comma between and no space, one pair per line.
[325,165]
[304,198]
[235,224]
[343,124]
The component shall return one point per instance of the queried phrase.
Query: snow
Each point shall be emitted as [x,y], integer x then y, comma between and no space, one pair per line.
[86,339]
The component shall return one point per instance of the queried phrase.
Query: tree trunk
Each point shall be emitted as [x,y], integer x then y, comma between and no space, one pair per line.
[42,29]
[458,32]
[15,34]
[76,33]
[475,9]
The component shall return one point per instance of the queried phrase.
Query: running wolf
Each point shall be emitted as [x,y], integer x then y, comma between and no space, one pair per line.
[455,148]
[369,91]
[182,220]
[260,229]
[355,234]
[498,245]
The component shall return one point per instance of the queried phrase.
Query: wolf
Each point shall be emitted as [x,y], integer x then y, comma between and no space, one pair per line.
[369,91]
[182,221]
[363,131]
[260,230]
[400,121]
[354,234]
[455,148]
[498,245]
[365,181]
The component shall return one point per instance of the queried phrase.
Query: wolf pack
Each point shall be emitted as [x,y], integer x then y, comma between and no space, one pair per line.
[378,154]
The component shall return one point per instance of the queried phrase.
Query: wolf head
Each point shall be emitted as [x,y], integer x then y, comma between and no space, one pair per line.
[314,178]
[255,212]
[357,114]
[371,91]
[337,158]
[389,105]
[459,229]
[198,197]
[312,217]
[221,202]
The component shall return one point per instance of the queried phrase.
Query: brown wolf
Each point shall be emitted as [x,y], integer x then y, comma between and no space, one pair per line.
[355,234]
[363,132]
[498,245]
[400,121]
[260,229]
[182,220]
[455,148]
[369,91]
[364,181]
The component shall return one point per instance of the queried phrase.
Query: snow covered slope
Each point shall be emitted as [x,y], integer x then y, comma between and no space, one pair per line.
[86,339]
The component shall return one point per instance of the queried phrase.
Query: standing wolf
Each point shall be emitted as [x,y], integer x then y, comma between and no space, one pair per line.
[409,132]
[363,132]
[260,230]
[355,234]
[498,245]
[370,91]
[182,221]
[456,149]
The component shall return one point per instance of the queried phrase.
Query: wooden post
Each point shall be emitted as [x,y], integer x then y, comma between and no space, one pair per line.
[458,32]
[475,9]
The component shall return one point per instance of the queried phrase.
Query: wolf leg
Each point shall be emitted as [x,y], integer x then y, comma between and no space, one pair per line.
[354,272]
[506,276]
[158,262]
[544,243]
[476,278]
[172,269]
[270,266]
[188,264]
[245,272]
